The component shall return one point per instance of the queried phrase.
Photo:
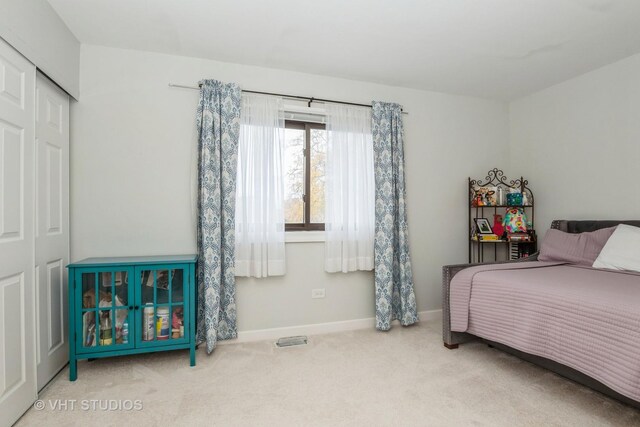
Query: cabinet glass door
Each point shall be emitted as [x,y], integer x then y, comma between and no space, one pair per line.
[106,298]
[163,316]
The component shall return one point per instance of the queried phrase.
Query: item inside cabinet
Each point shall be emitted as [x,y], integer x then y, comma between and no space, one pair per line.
[177,323]
[162,288]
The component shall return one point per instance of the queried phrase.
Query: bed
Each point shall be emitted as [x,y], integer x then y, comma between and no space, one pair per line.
[580,322]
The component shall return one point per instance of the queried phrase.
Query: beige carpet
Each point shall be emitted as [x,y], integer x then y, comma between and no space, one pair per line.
[364,378]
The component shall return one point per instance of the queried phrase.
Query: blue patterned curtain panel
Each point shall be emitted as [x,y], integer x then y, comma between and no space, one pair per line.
[395,297]
[218,121]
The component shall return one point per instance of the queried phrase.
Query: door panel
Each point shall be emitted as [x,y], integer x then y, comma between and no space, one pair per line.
[52,227]
[17,330]
[12,182]
[13,308]
[163,317]
[106,299]
[54,189]
[55,305]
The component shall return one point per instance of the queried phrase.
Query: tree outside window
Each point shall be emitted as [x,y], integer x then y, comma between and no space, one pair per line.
[304,165]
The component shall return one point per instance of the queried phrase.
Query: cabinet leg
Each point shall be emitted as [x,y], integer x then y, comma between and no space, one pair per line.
[73,369]
[192,355]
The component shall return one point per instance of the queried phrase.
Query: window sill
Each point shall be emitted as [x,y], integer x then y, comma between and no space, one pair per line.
[303,236]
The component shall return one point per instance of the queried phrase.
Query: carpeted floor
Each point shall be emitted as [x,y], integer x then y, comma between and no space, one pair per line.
[363,378]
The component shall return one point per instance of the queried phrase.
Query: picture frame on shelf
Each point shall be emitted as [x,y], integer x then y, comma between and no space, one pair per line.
[486,196]
[483,226]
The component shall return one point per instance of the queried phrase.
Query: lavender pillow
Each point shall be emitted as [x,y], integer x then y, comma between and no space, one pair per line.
[578,248]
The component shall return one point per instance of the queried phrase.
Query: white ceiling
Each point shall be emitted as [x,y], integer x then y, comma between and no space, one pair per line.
[500,49]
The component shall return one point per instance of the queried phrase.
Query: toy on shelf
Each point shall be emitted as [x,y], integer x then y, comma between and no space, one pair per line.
[498,227]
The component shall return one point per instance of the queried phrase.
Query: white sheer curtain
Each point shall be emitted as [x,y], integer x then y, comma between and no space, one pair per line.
[350,189]
[260,186]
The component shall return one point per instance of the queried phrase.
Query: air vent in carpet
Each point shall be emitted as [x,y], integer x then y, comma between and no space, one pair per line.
[291,341]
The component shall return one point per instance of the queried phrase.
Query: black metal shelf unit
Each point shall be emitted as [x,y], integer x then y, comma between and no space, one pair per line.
[496,178]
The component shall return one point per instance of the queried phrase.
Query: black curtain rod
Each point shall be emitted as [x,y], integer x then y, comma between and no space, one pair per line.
[306,98]
[309,99]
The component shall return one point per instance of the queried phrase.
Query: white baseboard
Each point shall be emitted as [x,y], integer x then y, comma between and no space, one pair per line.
[319,328]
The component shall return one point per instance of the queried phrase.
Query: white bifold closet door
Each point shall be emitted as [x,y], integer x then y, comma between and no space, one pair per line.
[34,232]
[18,388]
[51,228]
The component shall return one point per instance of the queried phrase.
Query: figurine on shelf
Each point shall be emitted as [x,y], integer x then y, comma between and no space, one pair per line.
[498,227]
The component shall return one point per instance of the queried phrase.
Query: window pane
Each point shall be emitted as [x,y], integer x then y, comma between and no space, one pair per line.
[294,176]
[318,162]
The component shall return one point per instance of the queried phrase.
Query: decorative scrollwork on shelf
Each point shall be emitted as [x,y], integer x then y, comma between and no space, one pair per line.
[494,177]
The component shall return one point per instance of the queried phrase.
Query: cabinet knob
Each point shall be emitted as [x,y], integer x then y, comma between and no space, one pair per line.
[130,307]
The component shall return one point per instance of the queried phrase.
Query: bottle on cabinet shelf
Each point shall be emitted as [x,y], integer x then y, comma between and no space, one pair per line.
[105,330]
[125,332]
[148,323]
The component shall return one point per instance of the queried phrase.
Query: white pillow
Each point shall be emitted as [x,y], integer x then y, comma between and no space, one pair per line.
[622,250]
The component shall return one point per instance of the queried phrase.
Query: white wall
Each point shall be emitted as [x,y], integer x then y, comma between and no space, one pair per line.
[133,141]
[578,143]
[37,32]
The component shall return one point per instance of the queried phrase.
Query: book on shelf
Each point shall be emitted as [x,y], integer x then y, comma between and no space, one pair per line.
[486,237]
[519,237]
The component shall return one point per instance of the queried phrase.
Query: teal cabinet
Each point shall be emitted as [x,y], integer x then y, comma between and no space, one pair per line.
[129,305]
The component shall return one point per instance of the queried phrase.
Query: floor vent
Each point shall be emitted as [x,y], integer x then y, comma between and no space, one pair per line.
[291,341]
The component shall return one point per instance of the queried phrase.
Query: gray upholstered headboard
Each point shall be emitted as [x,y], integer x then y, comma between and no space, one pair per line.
[571,226]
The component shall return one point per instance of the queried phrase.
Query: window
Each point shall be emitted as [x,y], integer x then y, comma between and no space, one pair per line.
[304,174]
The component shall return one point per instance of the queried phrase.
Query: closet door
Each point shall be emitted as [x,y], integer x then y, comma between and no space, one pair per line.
[17,332]
[52,228]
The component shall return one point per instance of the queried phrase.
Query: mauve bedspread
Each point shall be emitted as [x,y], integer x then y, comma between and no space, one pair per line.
[584,318]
